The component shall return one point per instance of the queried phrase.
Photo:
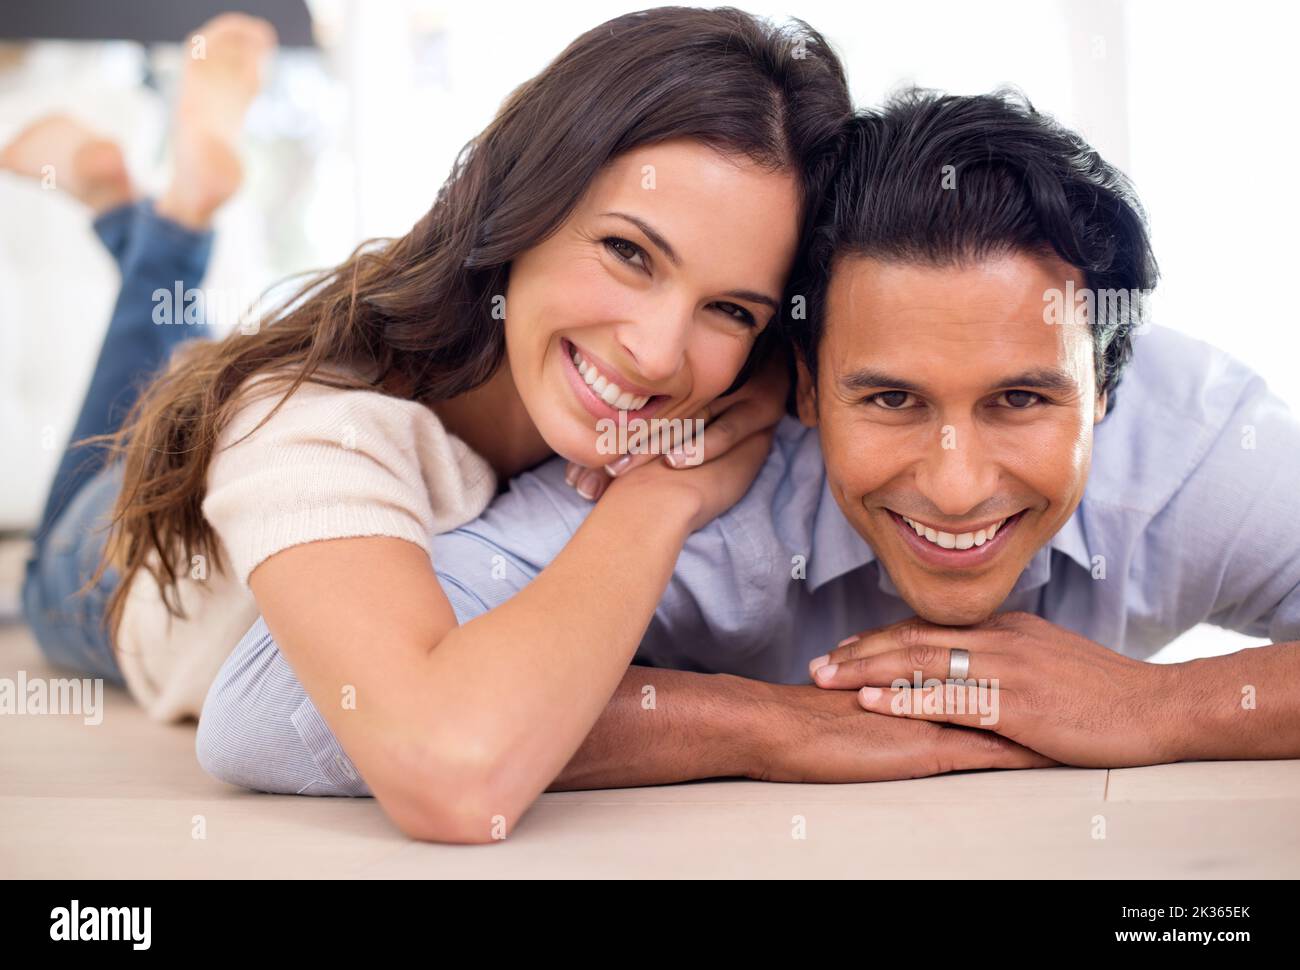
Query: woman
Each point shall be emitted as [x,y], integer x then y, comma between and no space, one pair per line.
[613,246]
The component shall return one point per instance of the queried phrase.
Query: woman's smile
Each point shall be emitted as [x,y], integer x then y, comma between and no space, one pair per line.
[601,390]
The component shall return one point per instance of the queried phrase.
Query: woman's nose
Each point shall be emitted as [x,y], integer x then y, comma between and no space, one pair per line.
[657,343]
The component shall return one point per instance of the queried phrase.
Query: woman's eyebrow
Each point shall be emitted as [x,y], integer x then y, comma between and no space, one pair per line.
[666,248]
[752,297]
[659,241]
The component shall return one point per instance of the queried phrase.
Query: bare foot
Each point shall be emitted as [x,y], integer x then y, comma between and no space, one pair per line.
[223,73]
[65,154]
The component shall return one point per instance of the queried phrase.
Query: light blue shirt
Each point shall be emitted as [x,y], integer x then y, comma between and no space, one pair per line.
[1189,516]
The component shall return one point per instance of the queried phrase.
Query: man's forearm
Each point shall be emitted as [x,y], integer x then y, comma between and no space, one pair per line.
[1243,705]
[665,726]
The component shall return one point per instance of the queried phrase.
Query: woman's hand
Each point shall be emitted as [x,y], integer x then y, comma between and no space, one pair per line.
[728,421]
[707,489]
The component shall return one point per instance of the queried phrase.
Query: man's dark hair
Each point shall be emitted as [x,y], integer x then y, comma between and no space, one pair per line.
[1018,182]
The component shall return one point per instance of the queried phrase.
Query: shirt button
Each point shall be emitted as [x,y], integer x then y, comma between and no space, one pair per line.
[345,766]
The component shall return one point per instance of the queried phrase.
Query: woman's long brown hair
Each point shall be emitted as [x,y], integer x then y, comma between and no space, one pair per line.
[416,312]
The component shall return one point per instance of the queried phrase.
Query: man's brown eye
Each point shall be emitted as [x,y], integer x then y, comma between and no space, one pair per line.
[1021,399]
[891,400]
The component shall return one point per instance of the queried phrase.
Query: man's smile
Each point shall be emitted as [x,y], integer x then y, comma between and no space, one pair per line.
[972,547]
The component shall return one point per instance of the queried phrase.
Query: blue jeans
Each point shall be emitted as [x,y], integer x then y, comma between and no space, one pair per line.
[152,253]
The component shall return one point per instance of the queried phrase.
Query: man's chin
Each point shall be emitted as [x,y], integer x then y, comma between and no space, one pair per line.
[947,610]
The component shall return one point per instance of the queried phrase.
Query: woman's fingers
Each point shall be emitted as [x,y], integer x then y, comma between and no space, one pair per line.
[590,483]
[625,463]
[645,446]
[732,425]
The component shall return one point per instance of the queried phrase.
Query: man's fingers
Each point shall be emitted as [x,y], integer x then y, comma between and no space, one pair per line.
[970,705]
[969,749]
[913,634]
[915,665]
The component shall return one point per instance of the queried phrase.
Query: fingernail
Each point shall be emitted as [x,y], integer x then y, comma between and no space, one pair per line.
[614,467]
[847,640]
[570,475]
[675,458]
[870,695]
[587,486]
[818,662]
[826,672]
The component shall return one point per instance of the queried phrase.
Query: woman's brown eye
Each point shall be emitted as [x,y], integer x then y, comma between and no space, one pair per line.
[737,313]
[623,249]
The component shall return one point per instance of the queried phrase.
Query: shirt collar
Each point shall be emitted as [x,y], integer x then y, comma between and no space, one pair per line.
[837,549]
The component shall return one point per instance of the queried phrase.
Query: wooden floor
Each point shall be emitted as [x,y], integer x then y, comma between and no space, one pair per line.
[125,798]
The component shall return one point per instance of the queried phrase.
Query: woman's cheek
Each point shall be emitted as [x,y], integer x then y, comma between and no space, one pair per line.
[717,360]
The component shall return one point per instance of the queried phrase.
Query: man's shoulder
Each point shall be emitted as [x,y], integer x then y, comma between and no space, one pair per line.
[1177,398]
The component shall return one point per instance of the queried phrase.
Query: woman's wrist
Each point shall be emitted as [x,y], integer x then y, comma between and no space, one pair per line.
[664,496]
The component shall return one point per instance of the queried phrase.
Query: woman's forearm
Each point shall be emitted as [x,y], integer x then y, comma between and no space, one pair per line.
[524,683]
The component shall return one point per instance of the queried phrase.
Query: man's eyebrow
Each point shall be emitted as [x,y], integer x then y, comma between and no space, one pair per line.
[655,237]
[666,248]
[1043,379]
[866,378]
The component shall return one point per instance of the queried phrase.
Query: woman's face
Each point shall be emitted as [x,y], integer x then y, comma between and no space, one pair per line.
[660,279]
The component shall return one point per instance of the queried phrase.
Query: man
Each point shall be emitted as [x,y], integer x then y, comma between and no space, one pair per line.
[967,496]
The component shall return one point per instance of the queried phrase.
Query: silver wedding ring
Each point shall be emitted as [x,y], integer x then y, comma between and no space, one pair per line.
[958,665]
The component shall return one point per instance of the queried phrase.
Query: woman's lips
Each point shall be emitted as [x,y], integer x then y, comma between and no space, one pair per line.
[596,405]
[936,555]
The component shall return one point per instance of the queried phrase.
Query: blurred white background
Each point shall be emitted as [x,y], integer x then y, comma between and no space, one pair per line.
[1194,100]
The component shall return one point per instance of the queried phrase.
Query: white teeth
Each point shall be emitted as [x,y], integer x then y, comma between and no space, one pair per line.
[607,390]
[961,540]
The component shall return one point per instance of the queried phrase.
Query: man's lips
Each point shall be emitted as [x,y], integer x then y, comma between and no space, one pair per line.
[935,555]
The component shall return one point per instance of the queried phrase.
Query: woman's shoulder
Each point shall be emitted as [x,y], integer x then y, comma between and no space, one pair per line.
[342,445]
[341,406]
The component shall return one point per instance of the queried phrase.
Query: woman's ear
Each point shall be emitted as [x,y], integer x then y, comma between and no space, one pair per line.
[805,393]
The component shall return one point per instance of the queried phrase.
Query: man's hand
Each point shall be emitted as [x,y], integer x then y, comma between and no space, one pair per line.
[665,726]
[811,735]
[1028,679]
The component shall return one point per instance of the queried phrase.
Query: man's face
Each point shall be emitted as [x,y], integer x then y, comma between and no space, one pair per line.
[947,404]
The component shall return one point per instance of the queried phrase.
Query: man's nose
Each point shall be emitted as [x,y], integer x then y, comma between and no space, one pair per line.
[657,341]
[958,473]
